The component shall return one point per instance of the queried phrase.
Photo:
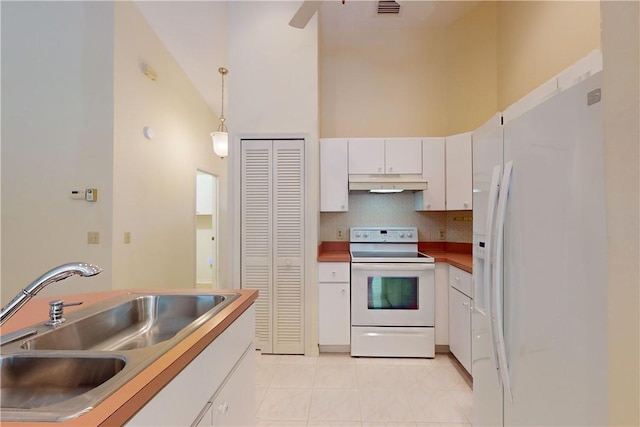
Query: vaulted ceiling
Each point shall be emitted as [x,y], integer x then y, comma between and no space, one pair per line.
[195,32]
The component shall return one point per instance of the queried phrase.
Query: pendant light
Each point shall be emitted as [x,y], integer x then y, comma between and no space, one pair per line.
[221,136]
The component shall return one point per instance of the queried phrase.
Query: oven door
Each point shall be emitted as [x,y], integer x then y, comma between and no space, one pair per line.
[392,294]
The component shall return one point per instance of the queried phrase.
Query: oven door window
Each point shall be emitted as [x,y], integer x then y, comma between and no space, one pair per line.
[392,293]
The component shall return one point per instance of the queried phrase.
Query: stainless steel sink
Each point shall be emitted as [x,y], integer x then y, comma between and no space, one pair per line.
[58,373]
[141,322]
[29,381]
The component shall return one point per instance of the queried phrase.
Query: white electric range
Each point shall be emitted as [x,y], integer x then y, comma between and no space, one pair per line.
[392,294]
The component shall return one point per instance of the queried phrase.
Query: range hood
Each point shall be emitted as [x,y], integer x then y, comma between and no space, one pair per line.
[387,183]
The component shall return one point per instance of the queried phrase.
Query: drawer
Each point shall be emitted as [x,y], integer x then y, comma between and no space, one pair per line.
[461,280]
[334,272]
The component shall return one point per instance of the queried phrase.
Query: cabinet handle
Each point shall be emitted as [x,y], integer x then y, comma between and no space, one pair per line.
[466,304]
[343,290]
[379,170]
[457,279]
[466,204]
[224,408]
[333,273]
[390,169]
[428,205]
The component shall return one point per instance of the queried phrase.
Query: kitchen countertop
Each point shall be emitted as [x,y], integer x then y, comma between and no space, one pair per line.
[119,407]
[334,252]
[456,254]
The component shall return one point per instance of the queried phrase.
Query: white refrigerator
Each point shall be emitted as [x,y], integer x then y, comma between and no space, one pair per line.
[539,348]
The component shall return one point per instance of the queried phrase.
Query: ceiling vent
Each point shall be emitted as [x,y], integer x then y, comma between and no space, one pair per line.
[386,7]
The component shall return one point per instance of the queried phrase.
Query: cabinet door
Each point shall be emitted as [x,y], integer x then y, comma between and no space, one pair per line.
[403,156]
[235,404]
[461,280]
[334,314]
[257,231]
[459,172]
[366,156]
[334,175]
[433,171]
[460,327]
[204,194]
[288,247]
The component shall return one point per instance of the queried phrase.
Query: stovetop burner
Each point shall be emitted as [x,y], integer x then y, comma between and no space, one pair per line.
[386,244]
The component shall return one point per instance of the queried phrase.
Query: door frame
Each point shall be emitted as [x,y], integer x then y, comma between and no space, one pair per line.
[312,212]
[215,226]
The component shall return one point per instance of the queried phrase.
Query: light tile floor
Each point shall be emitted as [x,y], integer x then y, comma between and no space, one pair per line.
[337,390]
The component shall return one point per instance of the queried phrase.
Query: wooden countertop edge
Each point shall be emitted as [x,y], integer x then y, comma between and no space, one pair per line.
[122,405]
[334,256]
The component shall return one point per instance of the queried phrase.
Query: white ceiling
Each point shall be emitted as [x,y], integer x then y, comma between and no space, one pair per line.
[195,32]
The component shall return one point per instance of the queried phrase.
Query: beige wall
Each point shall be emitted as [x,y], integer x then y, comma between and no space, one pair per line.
[538,39]
[441,81]
[621,97]
[57,133]
[472,63]
[396,85]
[154,180]
[74,104]
[273,92]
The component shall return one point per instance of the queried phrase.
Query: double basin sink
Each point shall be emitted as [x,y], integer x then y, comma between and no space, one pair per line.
[58,373]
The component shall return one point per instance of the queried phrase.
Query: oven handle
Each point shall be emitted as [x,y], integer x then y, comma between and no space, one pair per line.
[405,266]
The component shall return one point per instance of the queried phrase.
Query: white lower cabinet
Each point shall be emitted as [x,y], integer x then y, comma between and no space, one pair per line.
[232,406]
[460,306]
[334,314]
[215,389]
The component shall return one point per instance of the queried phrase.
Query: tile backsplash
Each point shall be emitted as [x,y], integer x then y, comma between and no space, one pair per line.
[396,210]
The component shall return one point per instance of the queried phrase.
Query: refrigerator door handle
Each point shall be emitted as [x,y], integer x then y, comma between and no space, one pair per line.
[488,264]
[498,279]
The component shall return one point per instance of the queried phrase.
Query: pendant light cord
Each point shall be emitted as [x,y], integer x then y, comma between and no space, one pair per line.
[222,128]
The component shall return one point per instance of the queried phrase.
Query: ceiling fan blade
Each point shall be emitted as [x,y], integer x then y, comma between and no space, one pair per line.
[305,13]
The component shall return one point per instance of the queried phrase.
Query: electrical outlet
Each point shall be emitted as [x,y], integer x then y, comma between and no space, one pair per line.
[93,238]
[340,233]
[127,237]
[441,235]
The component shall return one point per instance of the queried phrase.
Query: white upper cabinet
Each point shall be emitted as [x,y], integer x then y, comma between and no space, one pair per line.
[459,172]
[433,171]
[385,156]
[403,156]
[366,156]
[334,175]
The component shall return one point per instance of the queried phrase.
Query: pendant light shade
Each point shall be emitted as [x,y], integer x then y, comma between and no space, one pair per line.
[221,136]
[220,143]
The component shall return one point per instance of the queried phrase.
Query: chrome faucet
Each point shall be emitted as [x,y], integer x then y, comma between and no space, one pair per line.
[56,274]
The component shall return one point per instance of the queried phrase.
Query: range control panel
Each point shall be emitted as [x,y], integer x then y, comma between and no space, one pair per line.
[383,235]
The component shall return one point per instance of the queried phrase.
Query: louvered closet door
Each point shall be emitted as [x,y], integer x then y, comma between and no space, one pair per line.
[273,240]
[257,231]
[288,216]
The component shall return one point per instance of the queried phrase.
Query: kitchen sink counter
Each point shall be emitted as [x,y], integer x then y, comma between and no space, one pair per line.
[120,406]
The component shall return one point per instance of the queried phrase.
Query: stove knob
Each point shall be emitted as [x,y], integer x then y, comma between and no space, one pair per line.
[366,234]
[357,234]
[410,234]
[401,235]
